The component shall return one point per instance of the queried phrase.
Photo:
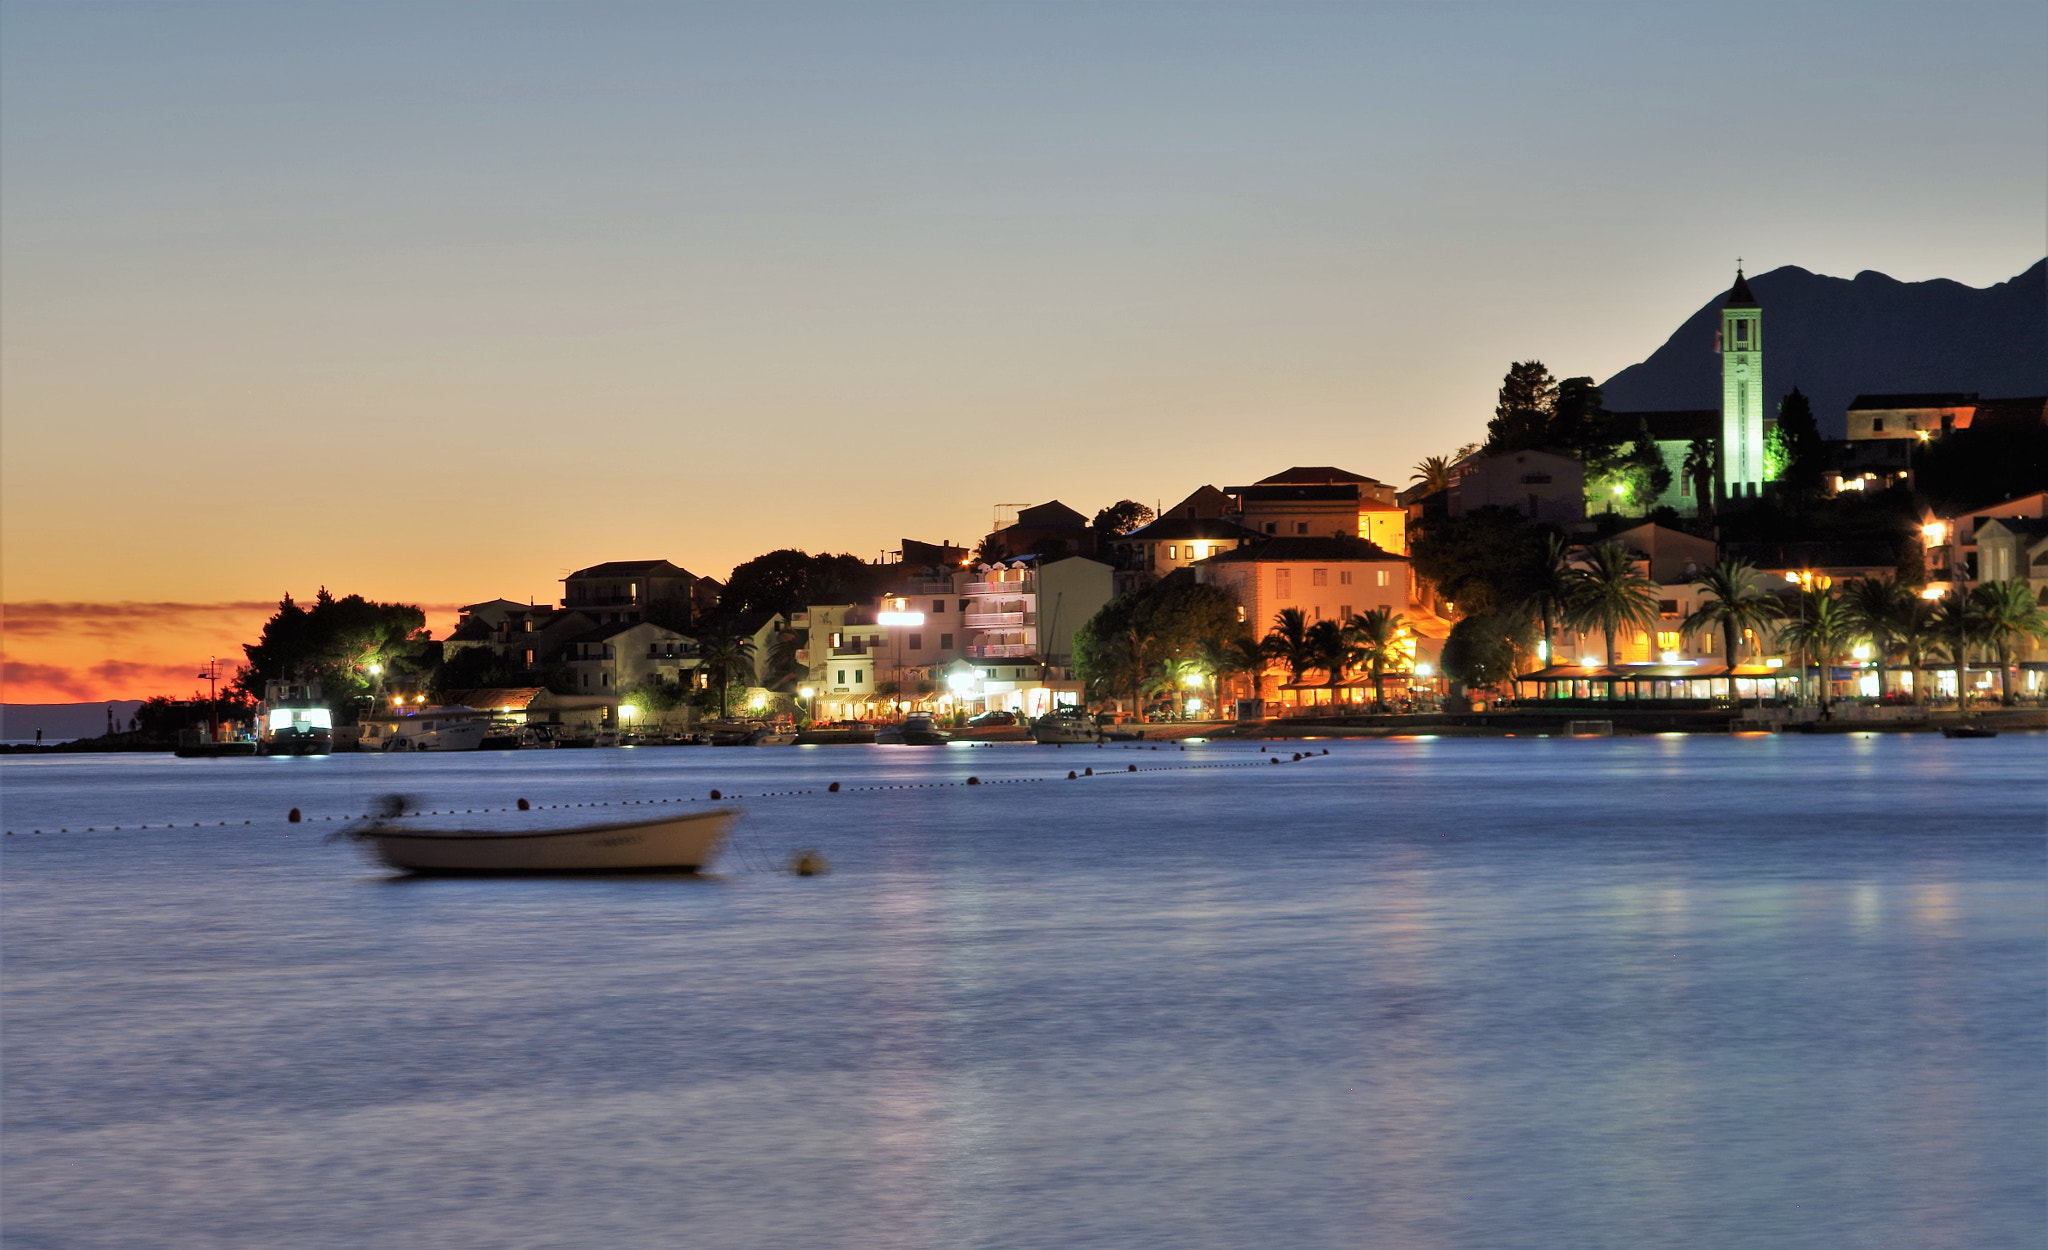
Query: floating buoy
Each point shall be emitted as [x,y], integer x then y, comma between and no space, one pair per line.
[974,781]
[1297,755]
[1071,774]
[716,795]
[1326,750]
[525,806]
[1091,772]
[809,862]
[833,788]
[1275,760]
[294,817]
[1262,750]
[1133,768]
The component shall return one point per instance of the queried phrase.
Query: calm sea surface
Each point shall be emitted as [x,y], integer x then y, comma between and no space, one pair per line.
[1645,992]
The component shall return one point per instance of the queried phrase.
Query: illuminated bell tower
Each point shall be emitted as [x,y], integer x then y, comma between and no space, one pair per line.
[1742,393]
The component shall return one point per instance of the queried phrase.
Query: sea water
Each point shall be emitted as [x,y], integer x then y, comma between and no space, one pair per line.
[1628,992]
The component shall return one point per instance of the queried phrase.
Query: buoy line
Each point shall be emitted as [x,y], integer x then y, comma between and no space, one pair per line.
[296,816]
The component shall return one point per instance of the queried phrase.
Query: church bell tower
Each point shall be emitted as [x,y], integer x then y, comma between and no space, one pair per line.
[1742,393]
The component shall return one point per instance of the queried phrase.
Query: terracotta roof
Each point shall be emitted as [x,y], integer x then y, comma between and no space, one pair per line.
[1181,528]
[1319,475]
[629,568]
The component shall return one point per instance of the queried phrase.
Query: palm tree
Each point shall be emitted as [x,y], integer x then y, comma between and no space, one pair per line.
[1821,630]
[1433,472]
[1956,622]
[1288,641]
[1239,657]
[1374,634]
[2008,614]
[1915,629]
[725,653]
[1738,605]
[1134,647]
[1547,590]
[1607,592]
[1332,653]
[1701,470]
[1873,607]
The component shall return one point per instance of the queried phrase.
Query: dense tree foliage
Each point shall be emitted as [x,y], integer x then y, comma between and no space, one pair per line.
[790,581]
[1120,517]
[1796,450]
[1521,417]
[1483,649]
[1479,561]
[1140,640]
[337,642]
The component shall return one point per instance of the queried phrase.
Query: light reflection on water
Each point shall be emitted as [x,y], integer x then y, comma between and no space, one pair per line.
[1617,992]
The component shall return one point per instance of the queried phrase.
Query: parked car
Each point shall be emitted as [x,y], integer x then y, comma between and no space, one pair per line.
[989,720]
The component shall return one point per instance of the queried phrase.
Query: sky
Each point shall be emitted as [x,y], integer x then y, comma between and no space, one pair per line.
[434,303]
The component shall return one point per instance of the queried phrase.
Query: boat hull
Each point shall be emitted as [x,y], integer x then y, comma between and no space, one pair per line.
[686,843]
[1065,731]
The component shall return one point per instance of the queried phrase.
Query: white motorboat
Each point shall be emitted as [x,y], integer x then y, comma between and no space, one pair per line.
[916,730]
[1066,727]
[454,728]
[548,842]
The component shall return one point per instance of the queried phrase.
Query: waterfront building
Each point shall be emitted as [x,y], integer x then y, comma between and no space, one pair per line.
[1150,552]
[621,591]
[1050,529]
[1950,542]
[611,658]
[1326,578]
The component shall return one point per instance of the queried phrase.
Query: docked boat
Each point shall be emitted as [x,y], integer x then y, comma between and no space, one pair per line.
[427,729]
[1967,731]
[547,842]
[293,719]
[915,730]
[1066,727]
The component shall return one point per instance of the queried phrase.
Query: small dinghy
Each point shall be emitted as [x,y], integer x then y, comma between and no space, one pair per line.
[544,841]
[1967,731]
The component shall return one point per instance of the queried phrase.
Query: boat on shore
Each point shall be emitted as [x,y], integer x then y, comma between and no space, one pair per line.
[1065,728]
[534,842]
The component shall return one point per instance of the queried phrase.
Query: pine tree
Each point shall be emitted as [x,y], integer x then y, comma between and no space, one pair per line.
[1799,441]
[1521,418]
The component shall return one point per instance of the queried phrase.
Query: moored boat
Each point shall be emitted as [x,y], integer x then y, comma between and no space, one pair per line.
[548,842]
[1066,727]
[1967,731]
[916,730]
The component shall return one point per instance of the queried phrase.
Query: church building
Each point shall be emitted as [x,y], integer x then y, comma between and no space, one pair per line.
[1742,393]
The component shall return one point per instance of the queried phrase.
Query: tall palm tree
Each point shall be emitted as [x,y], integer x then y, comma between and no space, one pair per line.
[1873,607]
[1433,472]
[2007,614]
[1700,468]
[1820,630]
[1608,593]
[1956,622]
[1547,589]
[1332,653]
[1914,627]
[1738,605]
[1135,660]
[1374,634]
[1288,641]
[725,653]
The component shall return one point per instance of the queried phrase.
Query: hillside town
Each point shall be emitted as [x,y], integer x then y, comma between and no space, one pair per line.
[1578,559]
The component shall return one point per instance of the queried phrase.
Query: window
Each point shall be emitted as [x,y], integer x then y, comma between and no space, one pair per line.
[1667,641]
[1344,612]
[1535,479]
[964,603]
[1344,579]
[1172,552]
[1240,614]
[586,679]
[945,642]
[1667,607]
[1742,332]
[917,642]
[1316,613]
[607,679]
[1319,577]
[607,651]
[1283,583]
[1877,425]
[938,607]
[1379,577]
[842,677]
[1272,528]
[838,639]
[1301,527]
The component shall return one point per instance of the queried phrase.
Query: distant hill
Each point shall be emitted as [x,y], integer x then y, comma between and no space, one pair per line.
[1837,338]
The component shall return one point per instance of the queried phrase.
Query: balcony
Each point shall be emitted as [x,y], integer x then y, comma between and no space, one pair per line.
[1000,620]
[1028,586]
[850,649]
[927,586]
[1003,651]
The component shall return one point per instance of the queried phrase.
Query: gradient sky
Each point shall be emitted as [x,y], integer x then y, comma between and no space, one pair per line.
[436,302]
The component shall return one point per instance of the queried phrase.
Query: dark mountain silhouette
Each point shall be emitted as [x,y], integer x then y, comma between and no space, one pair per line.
[1837,338]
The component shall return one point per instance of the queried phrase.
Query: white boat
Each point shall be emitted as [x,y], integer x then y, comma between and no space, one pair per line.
[916,730]
[548,842]
[1066,727]
[427,729]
